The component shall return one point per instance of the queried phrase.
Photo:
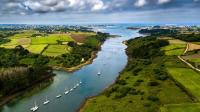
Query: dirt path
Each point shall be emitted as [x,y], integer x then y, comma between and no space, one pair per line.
[190,65]
[188,48]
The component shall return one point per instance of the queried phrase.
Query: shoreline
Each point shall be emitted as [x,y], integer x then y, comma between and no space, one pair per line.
[6,99]
[85,102]
[75,68]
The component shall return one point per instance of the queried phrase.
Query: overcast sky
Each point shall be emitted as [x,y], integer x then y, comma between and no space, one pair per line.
[99,11]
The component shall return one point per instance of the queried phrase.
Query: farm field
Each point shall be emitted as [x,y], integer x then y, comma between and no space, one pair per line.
[37,44]
[81,36]
[56,50]
[192,47]
[188,107]
[175,48]
[188,78]
[37,49]
[51,39]
[175,52]
[176,41]
[196,60]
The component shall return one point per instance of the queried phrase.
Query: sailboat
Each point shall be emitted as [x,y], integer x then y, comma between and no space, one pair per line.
[75,87]
[66,91]
[58,96]
[99,73]
[71,89]
[46,101]
[77,84]
[35,108]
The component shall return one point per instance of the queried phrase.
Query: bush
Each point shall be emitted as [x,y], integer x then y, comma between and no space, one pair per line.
[160,74]
[136,70]
[153,83]
[122,92]
[153,98]
[108,92]
[121,82]
[137,83]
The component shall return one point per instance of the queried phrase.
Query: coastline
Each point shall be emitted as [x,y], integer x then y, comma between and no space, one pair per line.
[74,68]
[7,99]
[85,102]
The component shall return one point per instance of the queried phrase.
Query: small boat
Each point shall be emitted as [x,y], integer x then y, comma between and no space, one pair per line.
[58,96]
[99,73]
[35,108]
[66,92]
[46,101]
[71,89]
[80,82]
[77,84]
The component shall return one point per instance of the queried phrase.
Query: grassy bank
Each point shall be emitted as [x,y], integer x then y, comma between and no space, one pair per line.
[145,84]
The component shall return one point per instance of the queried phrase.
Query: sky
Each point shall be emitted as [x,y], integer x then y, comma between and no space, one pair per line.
[99,11]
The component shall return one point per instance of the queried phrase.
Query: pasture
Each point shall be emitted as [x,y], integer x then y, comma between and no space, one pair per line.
[187,107]
[196,60]
[51,39]
[175,47]
[37,49]
[188,78]
[56,50]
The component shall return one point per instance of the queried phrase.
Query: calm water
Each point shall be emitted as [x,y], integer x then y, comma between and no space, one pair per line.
[110,61]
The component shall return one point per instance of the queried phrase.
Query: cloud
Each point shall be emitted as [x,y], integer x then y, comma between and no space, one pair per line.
[30,7]
[163,1]
[62,5]
[140,3]
[99,5]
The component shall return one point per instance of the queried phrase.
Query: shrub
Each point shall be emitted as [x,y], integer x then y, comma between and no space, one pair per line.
[108,92]
[153,83]
[121,82]
[136,70]
[122,92]
[153,98]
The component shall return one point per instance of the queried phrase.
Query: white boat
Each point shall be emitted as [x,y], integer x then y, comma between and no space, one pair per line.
[35,108]
[71,89]
[66,92]
[80,82]
[75,87]
[77,84]
[46,101]
[99,73]
[58,96]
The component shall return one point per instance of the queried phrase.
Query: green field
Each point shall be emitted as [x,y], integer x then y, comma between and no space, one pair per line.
[196,60]
[165,93]
[51,39]
[175,47]
[188,107]
[25,34]
[56,50]
[188,78]
[37,49]
[27,61]
[175,52]
[37,44]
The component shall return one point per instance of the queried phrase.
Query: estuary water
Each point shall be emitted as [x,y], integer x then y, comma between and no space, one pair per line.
[110,61]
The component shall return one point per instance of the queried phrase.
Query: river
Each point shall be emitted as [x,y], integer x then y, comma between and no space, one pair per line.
[110,61]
